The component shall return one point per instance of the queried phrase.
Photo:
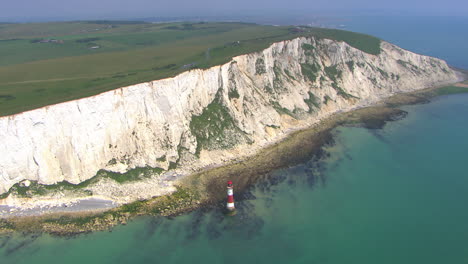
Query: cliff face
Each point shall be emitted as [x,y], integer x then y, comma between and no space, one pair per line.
[184,120]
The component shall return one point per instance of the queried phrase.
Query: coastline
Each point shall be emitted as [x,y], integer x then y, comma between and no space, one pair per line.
[206,188]
[258,106]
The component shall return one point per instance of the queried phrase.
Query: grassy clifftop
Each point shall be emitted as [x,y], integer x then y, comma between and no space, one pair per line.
[49,63]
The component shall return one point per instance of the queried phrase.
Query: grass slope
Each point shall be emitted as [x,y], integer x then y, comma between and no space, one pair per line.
[35,74]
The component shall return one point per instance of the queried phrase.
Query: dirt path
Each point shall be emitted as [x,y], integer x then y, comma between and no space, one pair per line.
[46,80]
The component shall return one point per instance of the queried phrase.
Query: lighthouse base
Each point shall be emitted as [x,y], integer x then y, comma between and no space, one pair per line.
[230,212]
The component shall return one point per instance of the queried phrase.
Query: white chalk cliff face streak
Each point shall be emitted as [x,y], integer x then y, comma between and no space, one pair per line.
[247,101]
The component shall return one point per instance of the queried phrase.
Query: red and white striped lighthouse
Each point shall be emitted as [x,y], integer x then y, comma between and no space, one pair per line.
[230,197]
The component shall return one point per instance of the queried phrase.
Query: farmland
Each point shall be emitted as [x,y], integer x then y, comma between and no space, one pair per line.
[48,63]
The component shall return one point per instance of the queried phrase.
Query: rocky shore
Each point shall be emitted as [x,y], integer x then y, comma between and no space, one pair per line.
[207,187]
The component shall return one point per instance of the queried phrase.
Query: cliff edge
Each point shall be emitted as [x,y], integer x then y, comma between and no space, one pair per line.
[202,118]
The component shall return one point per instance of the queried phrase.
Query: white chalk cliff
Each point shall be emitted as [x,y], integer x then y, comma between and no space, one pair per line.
[246,102]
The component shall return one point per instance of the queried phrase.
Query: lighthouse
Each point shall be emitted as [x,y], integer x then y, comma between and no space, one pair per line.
[230,197]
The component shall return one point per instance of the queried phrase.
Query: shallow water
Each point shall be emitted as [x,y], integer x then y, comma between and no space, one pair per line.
[396,195]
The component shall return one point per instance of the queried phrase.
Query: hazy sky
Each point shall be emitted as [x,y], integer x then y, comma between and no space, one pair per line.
[102,9]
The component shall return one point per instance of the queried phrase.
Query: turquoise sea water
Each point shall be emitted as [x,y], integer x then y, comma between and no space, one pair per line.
[442,37]
[396,195]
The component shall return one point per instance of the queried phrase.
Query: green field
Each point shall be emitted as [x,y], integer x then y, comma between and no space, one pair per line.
[48,63]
